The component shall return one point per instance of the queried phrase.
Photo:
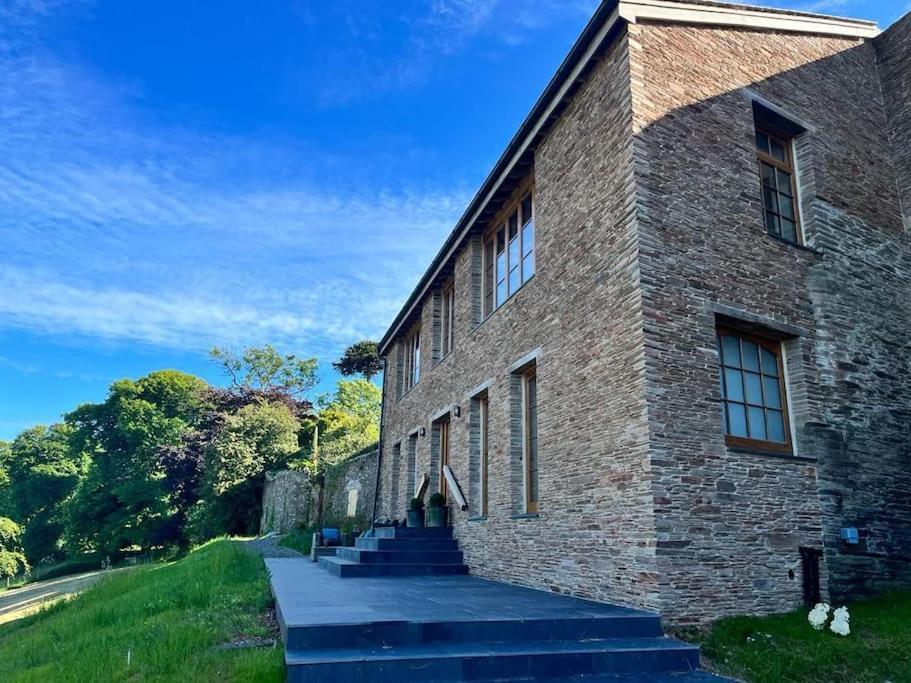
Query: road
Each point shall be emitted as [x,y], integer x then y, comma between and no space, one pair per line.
[19,602]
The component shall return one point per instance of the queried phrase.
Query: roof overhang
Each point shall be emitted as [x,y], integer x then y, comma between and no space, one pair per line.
[610,16]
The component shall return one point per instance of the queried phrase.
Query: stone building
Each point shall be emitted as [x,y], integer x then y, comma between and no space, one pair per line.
[665,352]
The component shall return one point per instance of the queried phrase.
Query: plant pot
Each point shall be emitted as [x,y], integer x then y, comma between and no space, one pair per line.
[436,516]
[416,518]
[348,538]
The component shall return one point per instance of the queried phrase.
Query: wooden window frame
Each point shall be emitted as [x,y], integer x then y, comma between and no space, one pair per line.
[774,346]
[490,252]
[789,167]
[444,445]
[484,462]
[447,319]
[531,505]
[412,363]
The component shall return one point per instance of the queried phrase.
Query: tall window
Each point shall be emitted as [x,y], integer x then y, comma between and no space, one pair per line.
[448,320]
[753,392]
[779,195]
[413,358]
[509,254]
[442,428]
[484,460]
[530,438]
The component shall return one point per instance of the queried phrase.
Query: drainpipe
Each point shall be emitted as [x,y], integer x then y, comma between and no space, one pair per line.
[379,455]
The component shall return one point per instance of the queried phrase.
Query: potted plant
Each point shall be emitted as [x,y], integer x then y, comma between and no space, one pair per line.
[416,513]
[436,510]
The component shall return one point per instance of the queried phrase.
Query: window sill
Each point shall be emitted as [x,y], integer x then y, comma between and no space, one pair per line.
[408,391]
[774,454]
[442,359]
[526,515]
[480,518]
[795,245]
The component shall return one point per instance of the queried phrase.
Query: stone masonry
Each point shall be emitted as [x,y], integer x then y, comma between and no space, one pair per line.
[649,232]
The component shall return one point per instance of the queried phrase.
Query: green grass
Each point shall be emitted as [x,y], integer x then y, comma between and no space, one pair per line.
[300,540]
[168,619]
[785,647]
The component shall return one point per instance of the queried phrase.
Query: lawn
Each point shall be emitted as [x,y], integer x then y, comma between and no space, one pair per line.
[785,647]
[300,540]
[164,622]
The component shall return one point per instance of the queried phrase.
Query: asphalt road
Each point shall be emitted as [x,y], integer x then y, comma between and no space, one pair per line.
[20,602]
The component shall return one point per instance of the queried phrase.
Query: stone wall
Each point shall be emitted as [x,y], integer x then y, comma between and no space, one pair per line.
[349,489]
[730,522]
[893,49]
[288,500]
[291,498]
[594,532]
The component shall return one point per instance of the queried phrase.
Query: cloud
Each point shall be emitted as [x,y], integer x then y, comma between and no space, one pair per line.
[116,227]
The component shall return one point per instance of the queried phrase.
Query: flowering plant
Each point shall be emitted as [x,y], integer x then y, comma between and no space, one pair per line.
[819,615]
[840,623]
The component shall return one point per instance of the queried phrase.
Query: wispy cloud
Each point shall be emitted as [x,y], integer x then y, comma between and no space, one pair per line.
[118,228]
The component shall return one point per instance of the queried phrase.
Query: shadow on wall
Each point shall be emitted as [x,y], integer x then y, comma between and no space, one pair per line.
[847,288]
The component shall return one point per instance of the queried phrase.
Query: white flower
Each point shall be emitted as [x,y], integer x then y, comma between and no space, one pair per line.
[840,621]
[818,615]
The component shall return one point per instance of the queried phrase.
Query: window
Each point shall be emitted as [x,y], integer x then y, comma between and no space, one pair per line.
[530,438]
[753,392]
[779,195]
[411,467]
[509,255]
[448,320]
[396,476]
[413,358]
[482,413]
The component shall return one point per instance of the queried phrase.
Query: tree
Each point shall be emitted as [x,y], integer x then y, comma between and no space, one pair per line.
[265,369]
[124,500]
[43,471]
[6,504]
[360,359]
[12,559]
[348,423]
[258,437]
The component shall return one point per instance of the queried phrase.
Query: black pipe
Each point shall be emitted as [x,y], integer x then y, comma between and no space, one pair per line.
[379,454]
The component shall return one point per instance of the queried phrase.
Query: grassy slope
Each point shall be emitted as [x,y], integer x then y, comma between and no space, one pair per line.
[170,617]
[785,647]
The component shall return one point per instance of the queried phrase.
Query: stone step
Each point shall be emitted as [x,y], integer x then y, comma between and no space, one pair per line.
[343,568]
[674,677]
[491,662]
[400,556]
[412,532]
[406,543]
[400,633]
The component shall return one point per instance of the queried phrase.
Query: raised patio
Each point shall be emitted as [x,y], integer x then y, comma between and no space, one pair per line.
[434,627]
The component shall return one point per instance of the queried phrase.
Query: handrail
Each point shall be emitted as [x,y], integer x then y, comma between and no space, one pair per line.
[454,487]
[421,486]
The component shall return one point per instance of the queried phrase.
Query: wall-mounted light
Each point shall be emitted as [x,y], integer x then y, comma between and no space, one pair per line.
[423,432]
[457,411]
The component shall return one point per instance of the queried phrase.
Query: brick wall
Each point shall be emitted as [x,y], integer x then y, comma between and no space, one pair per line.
[730,523]
[594,534]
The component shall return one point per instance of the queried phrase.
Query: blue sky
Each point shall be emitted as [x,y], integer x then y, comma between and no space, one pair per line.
[174,177]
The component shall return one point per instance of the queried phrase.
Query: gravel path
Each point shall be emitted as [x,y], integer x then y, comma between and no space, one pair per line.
[268,546]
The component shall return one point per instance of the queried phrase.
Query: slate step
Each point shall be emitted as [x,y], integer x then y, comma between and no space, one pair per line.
[488,662]
[402,633]
[406,543]
[400,556]
[343,568]
[412,532]
[687,677]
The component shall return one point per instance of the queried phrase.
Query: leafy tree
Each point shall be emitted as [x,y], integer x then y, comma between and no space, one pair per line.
[6,505]
[258,437]
[124,499]
[265,369]
[12,559]
[348,423]
[360,359]
[43,472]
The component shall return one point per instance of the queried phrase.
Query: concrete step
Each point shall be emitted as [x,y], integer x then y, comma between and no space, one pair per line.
[412,532]
[400,556]
[491,662]
[343,568]
[400,633]
[407,543]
